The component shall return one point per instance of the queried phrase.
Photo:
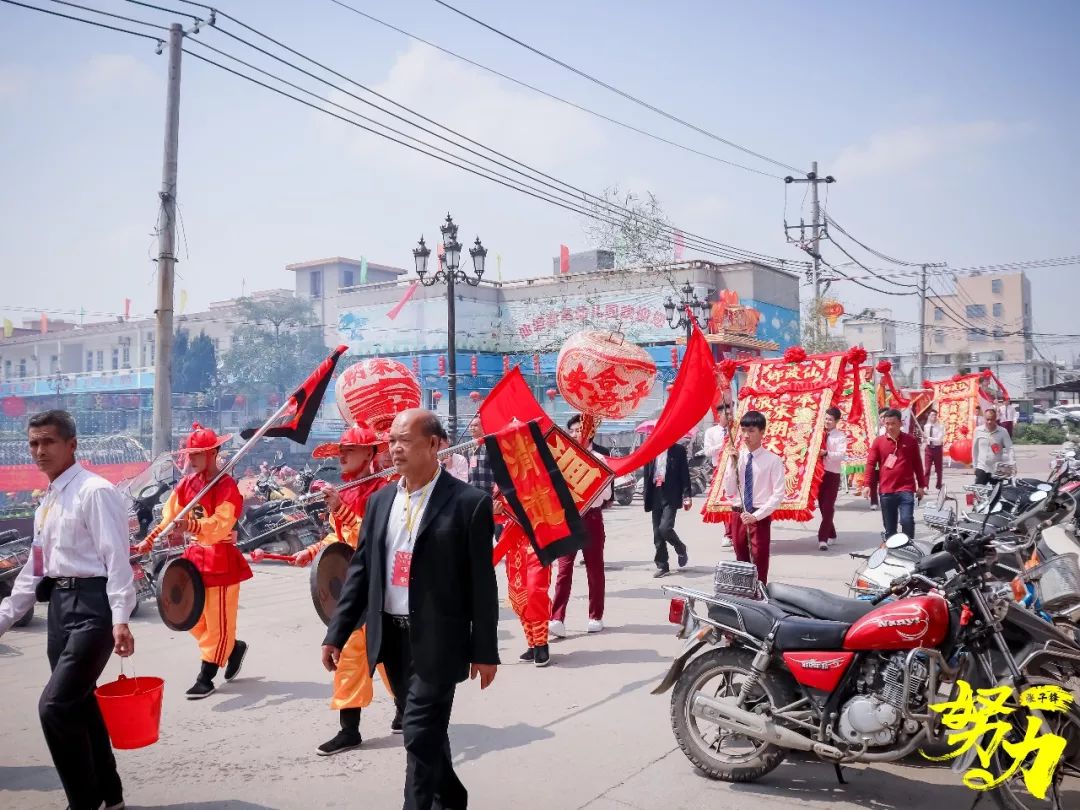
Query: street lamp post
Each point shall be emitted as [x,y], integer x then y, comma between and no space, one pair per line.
[450,274]
[688,300]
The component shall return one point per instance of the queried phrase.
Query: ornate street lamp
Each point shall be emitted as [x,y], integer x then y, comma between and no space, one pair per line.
[688,299]
[449,274]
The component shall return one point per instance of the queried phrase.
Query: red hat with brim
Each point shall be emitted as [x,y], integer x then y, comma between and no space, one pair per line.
[359,435]
[203,439]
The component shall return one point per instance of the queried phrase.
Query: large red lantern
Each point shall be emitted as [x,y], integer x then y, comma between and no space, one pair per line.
[436,395]
[603,375]
[474,396]
[375,391]
[551,394]
[960,449]
[14,407]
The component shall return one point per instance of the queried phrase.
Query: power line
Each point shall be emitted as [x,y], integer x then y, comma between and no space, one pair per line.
[94,23]
[868,249]
[617,91]
[550,95]
[109,14]
[864,267]
[1005,267]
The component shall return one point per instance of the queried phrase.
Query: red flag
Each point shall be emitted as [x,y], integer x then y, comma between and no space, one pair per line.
[400,305]
[511,399]
[127,309]
[535,490]
[691,397]
[564,259]
[305,402]
[44,323]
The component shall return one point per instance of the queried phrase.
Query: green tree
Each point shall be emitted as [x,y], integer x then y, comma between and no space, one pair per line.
[194,363]
[181,344]
[276,347]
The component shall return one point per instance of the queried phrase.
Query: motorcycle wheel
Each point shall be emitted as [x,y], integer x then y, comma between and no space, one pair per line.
[717,753]
[625,498]
[288,543]
[26,618]
[1013,794]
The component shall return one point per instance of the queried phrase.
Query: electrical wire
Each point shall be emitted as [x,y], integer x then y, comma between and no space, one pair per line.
[551,96]
[840,247]
[94,23]
[109,14]
[1005,267]
[617,91]
[884,257]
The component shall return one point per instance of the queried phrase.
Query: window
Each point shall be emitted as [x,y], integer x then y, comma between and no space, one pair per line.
[939,336]
[997,286]
[316,284]
[101,360]
[7,369]
[347,278]
[22,368]
[115,359]
[127,355]
[976,334]
[976,311]
[858,329]
[89,361]
[999,310]
[939,314]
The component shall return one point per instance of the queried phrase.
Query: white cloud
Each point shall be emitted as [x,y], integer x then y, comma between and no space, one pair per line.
[538,131]
[114,74]
[14,81]
[903,149]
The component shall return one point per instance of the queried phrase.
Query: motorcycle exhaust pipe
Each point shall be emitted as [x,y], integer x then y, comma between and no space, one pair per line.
[758,726]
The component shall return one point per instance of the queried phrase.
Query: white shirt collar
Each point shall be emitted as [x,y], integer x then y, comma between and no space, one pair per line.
[65,478]
[431,483]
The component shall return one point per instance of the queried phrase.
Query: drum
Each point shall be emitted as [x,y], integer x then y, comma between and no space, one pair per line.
[328,574]
[180,594]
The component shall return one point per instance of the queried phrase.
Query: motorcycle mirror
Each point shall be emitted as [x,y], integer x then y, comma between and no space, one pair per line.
[1038,495]
[1044,487]
[877,558]
[898,540]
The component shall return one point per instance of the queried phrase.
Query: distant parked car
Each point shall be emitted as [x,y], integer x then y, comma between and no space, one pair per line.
[1025,418]
[1063,415]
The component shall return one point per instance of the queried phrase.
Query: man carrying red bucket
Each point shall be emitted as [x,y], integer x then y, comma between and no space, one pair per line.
[79,564]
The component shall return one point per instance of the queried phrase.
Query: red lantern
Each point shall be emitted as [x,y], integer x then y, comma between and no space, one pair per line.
[14,407]
[436,395]
[416,366]
[474,365]
[551,394]
[442,365]
[506,364]
[602,375]
[674,357]
[375,391]
[474,396]
[960,451]
[240,401]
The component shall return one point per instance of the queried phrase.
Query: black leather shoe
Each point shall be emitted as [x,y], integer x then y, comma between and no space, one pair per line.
[528,655]
[236,660]
[202,688]
[661,572]
[396,726]
[542,658]
[343,741]
[684,558]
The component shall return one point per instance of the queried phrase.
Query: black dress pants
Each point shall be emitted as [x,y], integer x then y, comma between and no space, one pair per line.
[430,781]
[80,643]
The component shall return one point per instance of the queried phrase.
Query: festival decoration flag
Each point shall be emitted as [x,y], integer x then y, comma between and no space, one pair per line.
[400,305]
[44,323]
[363,269]
[536,492]
[564,259]
[692,396]
[304,403]
[127,309]
[511,399]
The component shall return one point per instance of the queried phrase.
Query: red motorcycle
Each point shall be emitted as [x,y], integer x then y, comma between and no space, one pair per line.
[853,680]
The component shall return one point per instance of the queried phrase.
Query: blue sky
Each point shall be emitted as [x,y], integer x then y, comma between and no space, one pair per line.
[951,130]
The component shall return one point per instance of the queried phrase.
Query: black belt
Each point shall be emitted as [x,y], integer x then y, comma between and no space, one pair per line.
[79,583]
[400,622]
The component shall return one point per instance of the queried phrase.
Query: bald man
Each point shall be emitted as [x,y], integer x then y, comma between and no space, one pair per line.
[424,579]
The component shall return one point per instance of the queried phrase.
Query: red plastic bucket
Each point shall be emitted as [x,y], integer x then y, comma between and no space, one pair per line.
[132,710]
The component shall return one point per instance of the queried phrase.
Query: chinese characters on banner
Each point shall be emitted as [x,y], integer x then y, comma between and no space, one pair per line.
[793,397]
[586,475]
[1008,736]
[957,403]
[858,433]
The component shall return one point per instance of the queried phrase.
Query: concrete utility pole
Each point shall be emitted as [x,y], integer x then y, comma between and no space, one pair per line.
[922,326]
[817,228]
[162,436]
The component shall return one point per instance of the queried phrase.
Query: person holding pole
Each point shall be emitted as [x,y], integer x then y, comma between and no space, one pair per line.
[754,483]
[213,551]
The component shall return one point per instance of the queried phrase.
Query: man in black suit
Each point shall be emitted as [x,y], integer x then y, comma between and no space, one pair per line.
[422,579]
[667,485]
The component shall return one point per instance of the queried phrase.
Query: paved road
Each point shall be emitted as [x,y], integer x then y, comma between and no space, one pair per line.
[584,733]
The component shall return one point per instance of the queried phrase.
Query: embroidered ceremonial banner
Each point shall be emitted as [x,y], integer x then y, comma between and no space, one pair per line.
[957,402]
[535,490]
[793,396]
[586,475]
[858,431]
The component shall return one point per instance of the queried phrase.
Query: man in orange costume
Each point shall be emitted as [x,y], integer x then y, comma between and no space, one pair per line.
[352,682]
[213,551]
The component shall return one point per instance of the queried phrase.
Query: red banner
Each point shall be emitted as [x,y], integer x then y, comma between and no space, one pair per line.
[27,477]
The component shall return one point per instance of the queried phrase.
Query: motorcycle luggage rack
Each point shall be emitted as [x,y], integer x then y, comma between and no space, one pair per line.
[1057,582]
[733,578]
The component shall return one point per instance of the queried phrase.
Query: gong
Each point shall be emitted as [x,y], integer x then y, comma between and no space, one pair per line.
[180,594]
[328,574]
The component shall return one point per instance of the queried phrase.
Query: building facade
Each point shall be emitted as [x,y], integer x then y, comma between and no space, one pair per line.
[873,330]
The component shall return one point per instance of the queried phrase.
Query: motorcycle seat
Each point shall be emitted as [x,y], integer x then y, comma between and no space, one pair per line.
[264,509]
[797,633]
[8,535]
[818,603]
[755,617]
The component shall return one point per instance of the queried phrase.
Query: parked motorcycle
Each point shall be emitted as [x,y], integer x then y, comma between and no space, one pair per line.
[626,486]
[701,471]
[14,552]
[282,526]
[854,681]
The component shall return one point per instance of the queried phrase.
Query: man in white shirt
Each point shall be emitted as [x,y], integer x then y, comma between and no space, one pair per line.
[833,453]
[1007,415]
[79,565]
[991,446]
[716,437]
[755,486]
[934,436]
